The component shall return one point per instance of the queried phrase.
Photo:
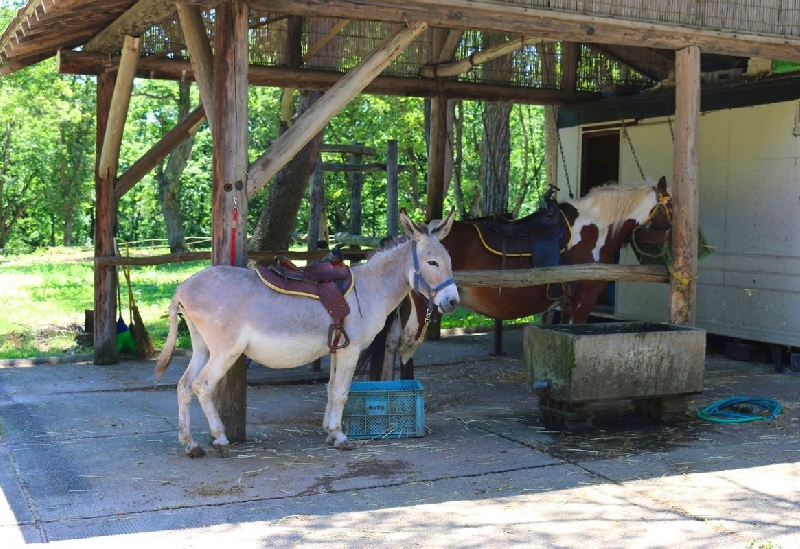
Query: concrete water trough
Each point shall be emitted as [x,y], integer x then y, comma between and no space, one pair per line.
[656,366]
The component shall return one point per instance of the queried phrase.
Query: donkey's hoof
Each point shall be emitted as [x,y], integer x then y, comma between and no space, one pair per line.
[344,444]
[195,451]
[222,450]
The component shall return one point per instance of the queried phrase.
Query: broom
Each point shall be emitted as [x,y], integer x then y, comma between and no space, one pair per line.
[144,345]
[125,343]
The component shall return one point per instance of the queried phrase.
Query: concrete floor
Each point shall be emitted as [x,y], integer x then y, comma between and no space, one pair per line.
[89,458]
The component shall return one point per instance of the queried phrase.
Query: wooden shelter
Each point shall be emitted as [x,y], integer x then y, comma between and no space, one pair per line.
[560,52]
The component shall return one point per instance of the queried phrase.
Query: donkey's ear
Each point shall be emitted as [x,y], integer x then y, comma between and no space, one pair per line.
[442,228]
[409,227]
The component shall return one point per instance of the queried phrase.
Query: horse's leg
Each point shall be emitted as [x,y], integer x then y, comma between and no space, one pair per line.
[184,390]
[583,302]
[390,350]
[338,389]
[203,386]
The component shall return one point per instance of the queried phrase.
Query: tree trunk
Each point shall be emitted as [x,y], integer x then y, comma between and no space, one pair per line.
[496,142]
[278,217]
[169,179]
[495,158]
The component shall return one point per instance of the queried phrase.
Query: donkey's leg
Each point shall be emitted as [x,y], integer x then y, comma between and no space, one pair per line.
[203,386]
[337,396]
[329,404]
[199,358]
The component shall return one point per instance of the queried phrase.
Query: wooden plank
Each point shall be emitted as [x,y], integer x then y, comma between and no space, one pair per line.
[545,23]
[685,188]
[105,207]
[229,201]
[200,55]
[159,151]
[109,156]
[73,62]
[315,118]
[134,22]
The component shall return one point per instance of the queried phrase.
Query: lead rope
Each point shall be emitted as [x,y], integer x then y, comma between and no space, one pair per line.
[233,230]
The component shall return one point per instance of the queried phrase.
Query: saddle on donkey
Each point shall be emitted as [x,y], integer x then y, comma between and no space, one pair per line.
[328,280]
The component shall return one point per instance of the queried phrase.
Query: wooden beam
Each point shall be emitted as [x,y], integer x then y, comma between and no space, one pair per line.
[545,23]
[134,22]
[478,58]
[685,192]
[109,155]
[319,44]
[200,55]
[72,62]
[159,151]
[318,116]
[516,278]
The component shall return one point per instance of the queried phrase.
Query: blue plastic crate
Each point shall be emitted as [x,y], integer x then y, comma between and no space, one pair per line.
[384,409]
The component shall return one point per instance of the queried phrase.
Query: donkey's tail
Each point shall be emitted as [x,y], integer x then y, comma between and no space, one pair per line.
[172,337]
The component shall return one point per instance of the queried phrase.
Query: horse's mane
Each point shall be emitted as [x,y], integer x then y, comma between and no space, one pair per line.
[612,204]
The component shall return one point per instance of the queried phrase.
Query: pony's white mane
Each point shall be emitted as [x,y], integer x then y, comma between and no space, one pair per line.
[612,205]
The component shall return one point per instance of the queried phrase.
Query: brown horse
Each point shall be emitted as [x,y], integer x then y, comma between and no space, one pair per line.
[597,227]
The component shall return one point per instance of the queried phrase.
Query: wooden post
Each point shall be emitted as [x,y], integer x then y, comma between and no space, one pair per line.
[436,159]
[315,202]
[229,194]
[105,276]
[356,186]
[392,184]
[112,110]
[685,193]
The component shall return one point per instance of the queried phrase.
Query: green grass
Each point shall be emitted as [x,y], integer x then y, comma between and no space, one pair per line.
[43,298]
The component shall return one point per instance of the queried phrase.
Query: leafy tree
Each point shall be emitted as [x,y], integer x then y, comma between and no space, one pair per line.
[44,121]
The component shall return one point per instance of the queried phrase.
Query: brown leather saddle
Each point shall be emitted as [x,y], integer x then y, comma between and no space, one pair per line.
[536,236]
[329,280]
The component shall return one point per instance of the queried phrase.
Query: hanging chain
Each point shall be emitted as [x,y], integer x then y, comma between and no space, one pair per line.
[544,55]
[633,151]
[563,157]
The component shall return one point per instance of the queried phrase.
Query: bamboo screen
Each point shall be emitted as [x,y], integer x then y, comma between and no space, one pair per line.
[525,67]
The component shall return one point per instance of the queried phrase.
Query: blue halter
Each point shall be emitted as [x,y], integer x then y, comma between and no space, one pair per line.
[429,293]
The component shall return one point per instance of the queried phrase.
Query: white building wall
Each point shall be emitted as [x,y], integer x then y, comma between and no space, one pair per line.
[749,162]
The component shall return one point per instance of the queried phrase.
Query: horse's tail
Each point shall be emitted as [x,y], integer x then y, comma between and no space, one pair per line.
[172,337]
[371,357]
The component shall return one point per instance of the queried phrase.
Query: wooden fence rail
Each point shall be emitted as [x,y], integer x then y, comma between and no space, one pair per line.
[512,278]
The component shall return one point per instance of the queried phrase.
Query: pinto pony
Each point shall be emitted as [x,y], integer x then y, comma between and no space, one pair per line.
[597,227]
[230,311]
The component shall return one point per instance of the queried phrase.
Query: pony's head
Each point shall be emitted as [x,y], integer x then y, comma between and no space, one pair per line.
[432,276]
[661,215]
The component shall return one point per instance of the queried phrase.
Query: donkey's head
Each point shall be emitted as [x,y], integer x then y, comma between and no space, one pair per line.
[432,275]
